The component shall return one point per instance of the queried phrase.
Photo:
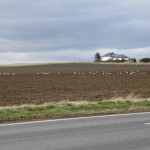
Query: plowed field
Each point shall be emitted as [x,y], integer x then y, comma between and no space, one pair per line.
[57,82]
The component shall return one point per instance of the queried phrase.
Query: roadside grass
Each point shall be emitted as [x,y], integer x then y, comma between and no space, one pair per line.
[70,109]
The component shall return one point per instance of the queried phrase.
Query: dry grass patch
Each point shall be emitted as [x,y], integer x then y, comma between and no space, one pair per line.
[131,97]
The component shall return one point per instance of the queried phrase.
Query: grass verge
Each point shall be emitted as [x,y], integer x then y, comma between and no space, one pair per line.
[70,109]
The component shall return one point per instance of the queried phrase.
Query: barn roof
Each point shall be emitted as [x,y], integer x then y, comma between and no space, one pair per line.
[113,55]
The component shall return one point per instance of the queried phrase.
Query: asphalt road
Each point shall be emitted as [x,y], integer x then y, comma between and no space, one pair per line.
[121,132]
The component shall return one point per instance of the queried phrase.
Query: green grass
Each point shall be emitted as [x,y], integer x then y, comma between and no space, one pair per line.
[64,110]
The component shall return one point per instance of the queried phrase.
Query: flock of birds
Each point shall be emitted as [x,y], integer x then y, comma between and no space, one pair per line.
[118,73]
[82,73]
[7,74]
[96,72]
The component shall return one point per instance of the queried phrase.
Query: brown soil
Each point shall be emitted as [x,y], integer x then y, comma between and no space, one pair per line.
[27,87]
[71,67]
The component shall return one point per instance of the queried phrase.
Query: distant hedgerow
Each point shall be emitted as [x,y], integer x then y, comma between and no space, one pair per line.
[145,60]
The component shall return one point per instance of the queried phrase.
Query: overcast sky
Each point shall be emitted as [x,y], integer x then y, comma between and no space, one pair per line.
[72,30]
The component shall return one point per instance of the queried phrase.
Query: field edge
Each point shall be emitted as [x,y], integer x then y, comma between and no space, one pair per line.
[63,110]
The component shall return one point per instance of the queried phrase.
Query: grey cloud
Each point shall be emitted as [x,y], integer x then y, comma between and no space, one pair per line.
[51,25]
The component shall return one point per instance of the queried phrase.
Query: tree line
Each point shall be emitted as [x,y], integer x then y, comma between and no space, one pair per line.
[145,60]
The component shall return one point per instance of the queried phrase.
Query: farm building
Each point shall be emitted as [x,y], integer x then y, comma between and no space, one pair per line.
[114,57]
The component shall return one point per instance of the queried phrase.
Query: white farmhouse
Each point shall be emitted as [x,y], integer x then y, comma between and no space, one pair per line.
[114,57]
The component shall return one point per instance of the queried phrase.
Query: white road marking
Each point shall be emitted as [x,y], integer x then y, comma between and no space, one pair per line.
[67,119]
[147,123]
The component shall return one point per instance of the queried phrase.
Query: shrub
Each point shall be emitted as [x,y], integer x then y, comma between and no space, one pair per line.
[133,60]
[145,60]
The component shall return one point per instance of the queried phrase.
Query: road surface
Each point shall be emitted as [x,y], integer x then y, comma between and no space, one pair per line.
[114,132]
